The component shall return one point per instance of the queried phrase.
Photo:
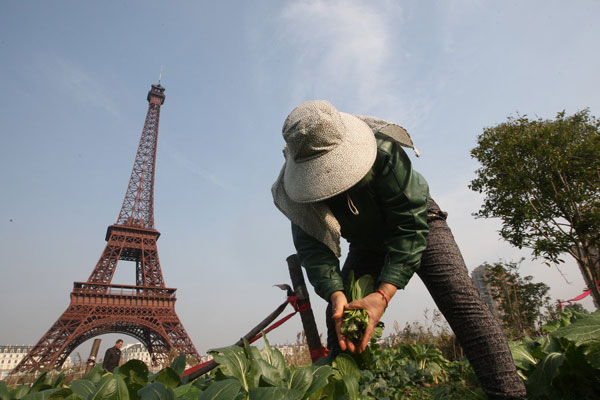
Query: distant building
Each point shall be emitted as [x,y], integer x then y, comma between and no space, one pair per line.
[296,353]
[286,349]
[11,355]
[479,276]
[137,351]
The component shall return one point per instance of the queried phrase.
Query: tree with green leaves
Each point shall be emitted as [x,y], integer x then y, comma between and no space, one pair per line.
[521,302]
[542,179]
[576,307]
[554,312]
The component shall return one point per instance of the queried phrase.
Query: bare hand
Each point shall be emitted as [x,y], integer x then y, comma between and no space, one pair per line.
[374,305]
[338,305]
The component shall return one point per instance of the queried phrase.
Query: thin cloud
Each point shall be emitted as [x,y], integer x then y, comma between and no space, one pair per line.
[74,80]
[343,47]
[194,168]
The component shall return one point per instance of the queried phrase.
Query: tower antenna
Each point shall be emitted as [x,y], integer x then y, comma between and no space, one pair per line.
[160,75]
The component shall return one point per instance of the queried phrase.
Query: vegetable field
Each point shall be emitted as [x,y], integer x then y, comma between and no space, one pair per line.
[562,364]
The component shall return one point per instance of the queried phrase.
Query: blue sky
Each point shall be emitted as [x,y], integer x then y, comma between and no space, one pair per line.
[74,82]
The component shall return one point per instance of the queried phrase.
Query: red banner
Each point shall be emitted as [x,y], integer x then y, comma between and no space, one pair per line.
[580,297]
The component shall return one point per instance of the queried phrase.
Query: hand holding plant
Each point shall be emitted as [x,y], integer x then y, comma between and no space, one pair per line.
[338,305]
[365,314]
[362,315]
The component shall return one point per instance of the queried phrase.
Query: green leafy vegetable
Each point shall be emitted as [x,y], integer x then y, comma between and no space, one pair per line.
[111,387]
[168,377]
[4,392]
[356,321]
[134,371]
[82,388]
[156,391]
[223,390]
[178,365]
[564,363]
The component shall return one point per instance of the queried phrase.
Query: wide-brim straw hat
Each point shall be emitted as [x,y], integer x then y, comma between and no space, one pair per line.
[341,166]
[327,151]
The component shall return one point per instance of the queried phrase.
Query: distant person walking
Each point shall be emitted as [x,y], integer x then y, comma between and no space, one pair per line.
[112,356]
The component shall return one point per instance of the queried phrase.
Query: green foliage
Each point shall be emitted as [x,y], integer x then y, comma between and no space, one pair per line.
[564,363]
[243,373]
[542,178]
[4,393]
[360,287]
[226,389]
[264,375]
[20,391]
[274,393]
[178,365]
[434,331]
[354,324]
[576,307]
[134,371]
[82,388]
[129,381]
[417,372]
[44,394]
[156,391]
[407,371]
[95,374]
[40,384]
[110,387]
[356,321]
[521,302]
[168,377]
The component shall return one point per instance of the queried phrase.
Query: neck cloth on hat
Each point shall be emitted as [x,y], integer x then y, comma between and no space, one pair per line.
[326,153]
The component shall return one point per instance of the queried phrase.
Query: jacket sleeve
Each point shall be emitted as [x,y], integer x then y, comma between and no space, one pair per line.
[322,266]
[403,195]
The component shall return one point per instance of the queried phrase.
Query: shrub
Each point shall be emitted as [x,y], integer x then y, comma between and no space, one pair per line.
[565,363]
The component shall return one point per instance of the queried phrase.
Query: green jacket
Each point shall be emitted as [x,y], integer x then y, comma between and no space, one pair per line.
[392,217]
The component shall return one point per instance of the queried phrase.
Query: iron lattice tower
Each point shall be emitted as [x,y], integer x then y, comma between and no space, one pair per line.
[145,311]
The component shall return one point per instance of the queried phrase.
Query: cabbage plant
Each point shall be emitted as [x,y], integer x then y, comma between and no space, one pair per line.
[356,321]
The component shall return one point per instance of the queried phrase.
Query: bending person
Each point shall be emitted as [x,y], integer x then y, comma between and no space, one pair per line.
[348,176]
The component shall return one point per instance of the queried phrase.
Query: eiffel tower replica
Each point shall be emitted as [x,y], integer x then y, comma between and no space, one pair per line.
[145,311]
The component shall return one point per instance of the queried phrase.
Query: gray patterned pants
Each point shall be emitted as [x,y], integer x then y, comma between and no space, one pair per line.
[445,275]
